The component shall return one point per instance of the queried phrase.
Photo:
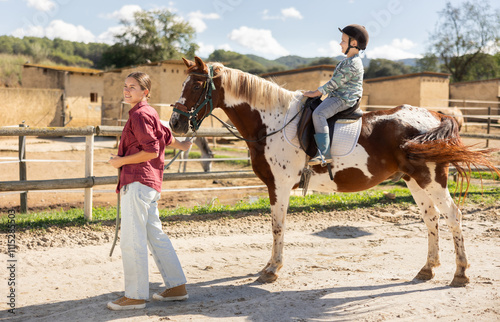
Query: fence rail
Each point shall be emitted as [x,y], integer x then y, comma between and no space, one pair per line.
[89,180]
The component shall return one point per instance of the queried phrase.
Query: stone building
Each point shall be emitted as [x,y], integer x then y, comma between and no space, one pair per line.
[475,97]
[308,78]
[426,89]
[81,92]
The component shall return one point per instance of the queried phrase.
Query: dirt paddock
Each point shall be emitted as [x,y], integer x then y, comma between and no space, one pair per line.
[339,266]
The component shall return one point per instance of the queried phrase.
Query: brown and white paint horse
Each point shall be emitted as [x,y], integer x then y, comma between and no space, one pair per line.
[409,141]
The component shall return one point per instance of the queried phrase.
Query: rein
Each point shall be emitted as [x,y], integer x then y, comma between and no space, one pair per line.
[229,127]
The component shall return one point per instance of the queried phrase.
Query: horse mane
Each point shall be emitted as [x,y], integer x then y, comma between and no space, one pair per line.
[256,91]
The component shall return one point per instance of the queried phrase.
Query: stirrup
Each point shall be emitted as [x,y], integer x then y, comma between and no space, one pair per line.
[319,159]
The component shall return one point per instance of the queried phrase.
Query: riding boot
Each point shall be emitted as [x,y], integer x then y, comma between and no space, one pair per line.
[323,156]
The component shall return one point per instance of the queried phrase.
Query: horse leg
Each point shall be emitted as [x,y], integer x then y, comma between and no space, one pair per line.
[430,215]
[441,198]
[279,209]
[453,216]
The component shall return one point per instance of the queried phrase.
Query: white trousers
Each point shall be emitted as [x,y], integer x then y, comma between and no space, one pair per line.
[140,227]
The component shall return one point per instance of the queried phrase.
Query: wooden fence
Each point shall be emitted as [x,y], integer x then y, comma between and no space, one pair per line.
[89,180]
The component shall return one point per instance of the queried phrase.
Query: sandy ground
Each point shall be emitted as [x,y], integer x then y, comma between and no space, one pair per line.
[339,266]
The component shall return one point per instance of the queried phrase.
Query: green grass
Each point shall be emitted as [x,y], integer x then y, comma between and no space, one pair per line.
[310,203]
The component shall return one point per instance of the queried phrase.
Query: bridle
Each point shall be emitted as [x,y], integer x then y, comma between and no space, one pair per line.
[206,96]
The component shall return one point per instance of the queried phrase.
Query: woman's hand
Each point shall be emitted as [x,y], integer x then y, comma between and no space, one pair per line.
[185,145]
[181,145]
[315,93]
[115,161]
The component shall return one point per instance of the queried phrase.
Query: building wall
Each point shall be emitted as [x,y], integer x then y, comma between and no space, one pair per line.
[37,107]
[488,90]
[82,92]
[301,80]
[425,90]
[434,91]
[81,89]
[35,77]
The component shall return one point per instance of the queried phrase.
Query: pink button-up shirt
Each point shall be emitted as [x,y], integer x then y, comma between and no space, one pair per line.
[143,132]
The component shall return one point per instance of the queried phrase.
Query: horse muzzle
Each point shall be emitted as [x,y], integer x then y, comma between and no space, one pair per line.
[179,122]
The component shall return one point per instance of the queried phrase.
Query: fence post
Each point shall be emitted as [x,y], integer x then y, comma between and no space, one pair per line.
[22,171]
[489,126]
[89,172]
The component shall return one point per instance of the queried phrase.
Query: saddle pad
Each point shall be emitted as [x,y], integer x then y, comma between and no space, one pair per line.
[290,131]
[345,137]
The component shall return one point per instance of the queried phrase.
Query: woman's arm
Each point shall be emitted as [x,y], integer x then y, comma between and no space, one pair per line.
[181,145]
[139,157]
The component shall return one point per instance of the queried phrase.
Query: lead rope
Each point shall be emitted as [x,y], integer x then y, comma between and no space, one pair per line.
[117,225]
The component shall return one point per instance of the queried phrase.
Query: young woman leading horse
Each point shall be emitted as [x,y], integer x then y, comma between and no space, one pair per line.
[406,141]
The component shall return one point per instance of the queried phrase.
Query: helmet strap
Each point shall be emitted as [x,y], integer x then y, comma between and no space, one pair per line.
[349,47]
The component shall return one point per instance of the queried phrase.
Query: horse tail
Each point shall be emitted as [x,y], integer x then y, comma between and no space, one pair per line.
[443,145]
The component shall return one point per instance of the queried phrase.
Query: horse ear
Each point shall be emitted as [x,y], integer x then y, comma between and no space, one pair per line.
[188,63]
[200,64]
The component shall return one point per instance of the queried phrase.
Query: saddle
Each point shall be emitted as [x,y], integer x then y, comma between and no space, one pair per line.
[305,127]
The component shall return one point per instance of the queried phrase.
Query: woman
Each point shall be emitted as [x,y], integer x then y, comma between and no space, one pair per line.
[141,159]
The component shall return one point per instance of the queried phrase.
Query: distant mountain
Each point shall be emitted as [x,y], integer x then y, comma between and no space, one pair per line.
[269,64]
[293,62]
[408,61]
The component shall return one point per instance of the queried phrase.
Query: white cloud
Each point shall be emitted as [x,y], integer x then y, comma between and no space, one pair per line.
[259,40]
[41,5]
[291,13]
[64,30]
[196,19]
[124,13]
[285,13]
[57,29]
[333,49]
[204,50]
[397,49]
[108,36]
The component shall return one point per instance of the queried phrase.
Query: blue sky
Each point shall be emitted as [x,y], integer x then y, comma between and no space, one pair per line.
[398,28]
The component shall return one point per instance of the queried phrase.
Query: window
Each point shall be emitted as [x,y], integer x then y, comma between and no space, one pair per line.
[93,97]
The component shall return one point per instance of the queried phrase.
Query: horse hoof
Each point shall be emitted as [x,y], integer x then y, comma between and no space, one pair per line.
[425,275]
[459,281]
[267,277]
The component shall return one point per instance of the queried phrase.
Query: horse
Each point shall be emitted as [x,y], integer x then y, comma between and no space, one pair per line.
[206,153]
[409,142]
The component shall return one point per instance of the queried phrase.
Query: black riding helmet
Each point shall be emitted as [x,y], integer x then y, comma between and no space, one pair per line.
[356,32]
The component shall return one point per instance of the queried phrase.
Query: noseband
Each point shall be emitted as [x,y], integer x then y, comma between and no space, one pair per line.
[207,99]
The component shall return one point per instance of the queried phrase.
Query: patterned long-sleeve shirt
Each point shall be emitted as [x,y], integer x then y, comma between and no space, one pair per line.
[347,81]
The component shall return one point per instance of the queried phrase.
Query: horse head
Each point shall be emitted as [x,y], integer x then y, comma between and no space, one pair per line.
[199,92]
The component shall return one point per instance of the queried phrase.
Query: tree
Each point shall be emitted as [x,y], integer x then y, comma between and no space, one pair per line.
[153,36]
[428,63]
[324,61]
[463,33]
[385,67]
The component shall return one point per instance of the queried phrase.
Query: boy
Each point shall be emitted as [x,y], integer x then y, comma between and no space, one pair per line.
[344,89]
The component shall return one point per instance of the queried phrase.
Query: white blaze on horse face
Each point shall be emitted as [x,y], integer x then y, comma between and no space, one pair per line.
[423,120]
[182,99]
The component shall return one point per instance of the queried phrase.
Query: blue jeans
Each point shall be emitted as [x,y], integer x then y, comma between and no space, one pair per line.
[328,108]
[140,227]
